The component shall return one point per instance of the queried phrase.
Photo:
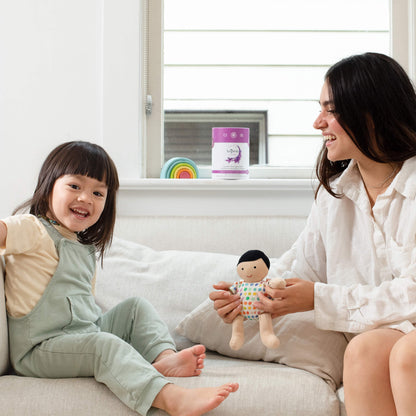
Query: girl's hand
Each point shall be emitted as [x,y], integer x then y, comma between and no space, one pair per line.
[227,305]
[297,296]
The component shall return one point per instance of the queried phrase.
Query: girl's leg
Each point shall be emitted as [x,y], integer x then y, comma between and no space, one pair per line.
[101,355]
[403,374]
[136,321]
[367,374]
[123,370]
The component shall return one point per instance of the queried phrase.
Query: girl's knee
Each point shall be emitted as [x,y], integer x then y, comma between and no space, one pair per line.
[367,350]
[137,303]
[358,349]
[403,354]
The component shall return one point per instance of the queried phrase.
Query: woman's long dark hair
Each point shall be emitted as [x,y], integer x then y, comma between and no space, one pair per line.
[375,103]
[79,158]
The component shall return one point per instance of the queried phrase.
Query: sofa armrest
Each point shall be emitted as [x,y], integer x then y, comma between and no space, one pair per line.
[4,341]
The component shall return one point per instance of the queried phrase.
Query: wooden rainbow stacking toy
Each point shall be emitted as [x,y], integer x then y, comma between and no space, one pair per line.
[179,168]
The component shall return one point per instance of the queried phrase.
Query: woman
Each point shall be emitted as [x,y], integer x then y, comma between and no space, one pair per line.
[355,262]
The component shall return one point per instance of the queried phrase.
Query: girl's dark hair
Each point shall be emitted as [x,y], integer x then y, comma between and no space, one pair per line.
[79,158]
[375,103]
[253,255]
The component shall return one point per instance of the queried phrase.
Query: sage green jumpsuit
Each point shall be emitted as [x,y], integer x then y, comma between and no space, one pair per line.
[66,334]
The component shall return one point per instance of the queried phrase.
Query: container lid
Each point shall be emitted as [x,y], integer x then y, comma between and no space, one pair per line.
[231,134]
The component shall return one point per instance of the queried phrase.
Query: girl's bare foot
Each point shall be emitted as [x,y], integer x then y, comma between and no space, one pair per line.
[185,363]
[178,401]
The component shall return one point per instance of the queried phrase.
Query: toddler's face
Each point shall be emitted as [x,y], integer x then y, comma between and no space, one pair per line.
[77,201]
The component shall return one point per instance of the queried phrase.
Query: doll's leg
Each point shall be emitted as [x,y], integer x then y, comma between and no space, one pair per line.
[267,334]
[237,337]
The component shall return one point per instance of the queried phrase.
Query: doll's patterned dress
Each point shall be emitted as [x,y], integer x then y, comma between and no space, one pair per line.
[249,293]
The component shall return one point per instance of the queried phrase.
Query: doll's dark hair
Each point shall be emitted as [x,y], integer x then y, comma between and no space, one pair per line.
[375,103]
[79,158]
[253,255]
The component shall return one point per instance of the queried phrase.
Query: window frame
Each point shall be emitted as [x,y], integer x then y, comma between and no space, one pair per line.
[402,45]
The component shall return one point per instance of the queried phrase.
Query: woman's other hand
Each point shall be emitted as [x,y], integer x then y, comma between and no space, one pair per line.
[297,296]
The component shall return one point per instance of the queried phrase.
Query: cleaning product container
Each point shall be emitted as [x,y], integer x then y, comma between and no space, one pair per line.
[230,152]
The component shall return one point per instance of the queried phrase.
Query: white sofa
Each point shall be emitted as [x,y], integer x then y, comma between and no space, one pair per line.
[173,261]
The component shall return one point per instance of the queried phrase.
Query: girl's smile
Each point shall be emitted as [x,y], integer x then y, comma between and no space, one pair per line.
[339,144]
[77,201]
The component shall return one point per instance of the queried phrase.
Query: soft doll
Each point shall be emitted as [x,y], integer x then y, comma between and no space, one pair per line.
[253,266]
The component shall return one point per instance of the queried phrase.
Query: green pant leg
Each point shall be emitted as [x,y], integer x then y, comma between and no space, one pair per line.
[105,356]
[137,322]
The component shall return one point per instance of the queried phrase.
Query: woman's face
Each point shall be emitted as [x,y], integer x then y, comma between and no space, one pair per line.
[337,141]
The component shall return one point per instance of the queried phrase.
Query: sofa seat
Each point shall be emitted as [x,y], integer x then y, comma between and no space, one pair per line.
[267,389]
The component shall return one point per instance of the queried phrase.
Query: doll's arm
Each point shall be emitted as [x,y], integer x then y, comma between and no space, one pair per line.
[277,283]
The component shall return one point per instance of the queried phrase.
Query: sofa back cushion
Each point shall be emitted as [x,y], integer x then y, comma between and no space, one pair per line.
[4,340]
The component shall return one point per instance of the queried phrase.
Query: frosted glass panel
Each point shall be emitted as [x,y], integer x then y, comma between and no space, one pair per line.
[269,48]
[293,151]
[284,117]
[282,14]
[243,83]
[267,55]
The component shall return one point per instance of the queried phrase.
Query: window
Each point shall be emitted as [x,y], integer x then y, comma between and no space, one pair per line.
[186,133]
[268,56]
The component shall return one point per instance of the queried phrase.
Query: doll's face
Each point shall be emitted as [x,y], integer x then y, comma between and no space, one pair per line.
[252,271]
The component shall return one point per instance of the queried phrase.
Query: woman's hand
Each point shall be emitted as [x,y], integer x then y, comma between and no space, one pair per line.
[297,296]
[227,305]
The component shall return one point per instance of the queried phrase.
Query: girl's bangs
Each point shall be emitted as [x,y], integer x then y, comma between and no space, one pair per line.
[92,163]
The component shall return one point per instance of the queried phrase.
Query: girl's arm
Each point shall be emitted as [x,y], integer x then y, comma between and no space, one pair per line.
[3,234]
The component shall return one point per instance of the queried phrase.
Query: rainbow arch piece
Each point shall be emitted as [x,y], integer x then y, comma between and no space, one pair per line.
[179,168]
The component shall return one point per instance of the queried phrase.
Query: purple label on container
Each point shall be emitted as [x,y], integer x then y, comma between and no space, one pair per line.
[230,135]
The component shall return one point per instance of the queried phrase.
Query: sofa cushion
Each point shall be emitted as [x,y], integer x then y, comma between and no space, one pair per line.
[174,281]
[4,345]
[302,344]
[266,389]
[29,396]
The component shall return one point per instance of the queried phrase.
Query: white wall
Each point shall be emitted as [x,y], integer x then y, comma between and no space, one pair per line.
[66,72]
[71,70]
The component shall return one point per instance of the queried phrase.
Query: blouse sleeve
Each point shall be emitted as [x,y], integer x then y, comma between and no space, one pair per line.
[359,308]
[23,234]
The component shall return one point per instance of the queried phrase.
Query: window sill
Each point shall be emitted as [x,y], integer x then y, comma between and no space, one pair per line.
[269,172]
[209,197]
[216,184]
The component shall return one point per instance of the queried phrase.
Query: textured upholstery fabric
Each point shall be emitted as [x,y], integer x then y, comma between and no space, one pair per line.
[266,389]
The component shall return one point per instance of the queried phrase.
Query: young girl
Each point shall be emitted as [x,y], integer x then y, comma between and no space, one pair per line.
[55,327]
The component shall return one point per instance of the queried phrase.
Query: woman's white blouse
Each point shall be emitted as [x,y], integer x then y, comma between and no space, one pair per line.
[364,262]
